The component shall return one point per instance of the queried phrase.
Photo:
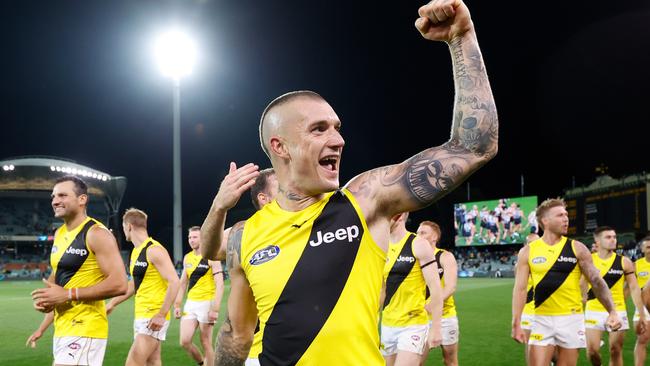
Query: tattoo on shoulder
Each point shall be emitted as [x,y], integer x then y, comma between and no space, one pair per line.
[233,247]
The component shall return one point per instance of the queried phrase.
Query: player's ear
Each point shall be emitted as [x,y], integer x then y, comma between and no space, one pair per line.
[279,147]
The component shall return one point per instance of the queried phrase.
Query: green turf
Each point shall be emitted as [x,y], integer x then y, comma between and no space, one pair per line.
[483,312]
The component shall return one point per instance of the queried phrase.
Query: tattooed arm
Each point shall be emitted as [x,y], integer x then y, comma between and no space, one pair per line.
[429,175]
[236,334]
[522,271]
[598,285]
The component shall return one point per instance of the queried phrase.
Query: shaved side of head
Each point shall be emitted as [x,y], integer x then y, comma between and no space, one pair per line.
[270,123]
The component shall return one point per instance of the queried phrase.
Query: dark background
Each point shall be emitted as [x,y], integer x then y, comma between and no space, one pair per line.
[78,81]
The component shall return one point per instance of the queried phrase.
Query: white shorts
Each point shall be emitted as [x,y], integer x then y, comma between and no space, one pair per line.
[450,331]
[140,327]
[252,362]
[597,319]
[197,310]
[78,351]
[410,339]
[527,321]
[636,315]
[566,331]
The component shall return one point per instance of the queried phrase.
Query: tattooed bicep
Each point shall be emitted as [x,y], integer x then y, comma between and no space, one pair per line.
[233,246]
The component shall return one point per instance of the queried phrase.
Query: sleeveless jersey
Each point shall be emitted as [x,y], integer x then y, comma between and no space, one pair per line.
[611,270]
[642,271]
[556,278]
[150,287]
[316,276]
[405,286]
[448,306]
[529,308]
[75,265]
[200,285]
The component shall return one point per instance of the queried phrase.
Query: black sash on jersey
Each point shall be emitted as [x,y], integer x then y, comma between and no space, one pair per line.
[556,275]
[314,287]
[530,296]
[198,273]
[74,257]
[441,272]
[610,278]
[140,271]
[400,270]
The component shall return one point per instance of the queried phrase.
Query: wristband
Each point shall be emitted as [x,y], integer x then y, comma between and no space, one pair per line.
[70,294]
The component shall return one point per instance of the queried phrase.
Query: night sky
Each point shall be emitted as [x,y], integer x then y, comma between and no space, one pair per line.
[79,82]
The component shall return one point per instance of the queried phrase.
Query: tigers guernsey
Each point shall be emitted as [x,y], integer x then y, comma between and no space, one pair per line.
[155,283]
[642,269]
[617,271]
[310,263]
[410,271]
[86,269]
[203,280]
[555,264]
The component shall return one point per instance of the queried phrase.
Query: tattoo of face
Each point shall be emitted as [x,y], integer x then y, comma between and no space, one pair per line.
[233,249]
[290,195]
[228,353]
[427,177]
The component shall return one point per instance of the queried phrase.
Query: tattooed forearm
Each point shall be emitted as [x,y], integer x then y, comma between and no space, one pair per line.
[599,287]
[233,248]
[475,124]
[229,351]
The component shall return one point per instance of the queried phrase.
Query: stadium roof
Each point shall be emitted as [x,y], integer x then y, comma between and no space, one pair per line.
[606,183]
[38,173]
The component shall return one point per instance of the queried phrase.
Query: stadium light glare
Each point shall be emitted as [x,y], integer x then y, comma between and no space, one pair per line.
[58,168]
[175,53]
[52,168]
[5,167]
[94,175]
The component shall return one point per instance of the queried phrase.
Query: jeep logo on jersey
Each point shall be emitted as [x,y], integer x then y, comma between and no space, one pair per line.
[140,264]
[405,259]
[615,271]
[539,260]
[350,233]
[264,255]
[80,252]
[641,274]
[567,259]
[202,266]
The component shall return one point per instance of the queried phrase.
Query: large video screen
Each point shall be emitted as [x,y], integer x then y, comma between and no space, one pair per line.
[494,222]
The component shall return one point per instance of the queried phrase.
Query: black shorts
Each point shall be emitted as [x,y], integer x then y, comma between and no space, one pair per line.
[517,220]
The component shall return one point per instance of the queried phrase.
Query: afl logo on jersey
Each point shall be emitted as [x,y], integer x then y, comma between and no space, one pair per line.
[641,274]
[539,260]
[56,249]
[188,265]
[264,255]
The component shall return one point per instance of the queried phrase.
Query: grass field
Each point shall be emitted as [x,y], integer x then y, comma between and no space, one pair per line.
[483,312]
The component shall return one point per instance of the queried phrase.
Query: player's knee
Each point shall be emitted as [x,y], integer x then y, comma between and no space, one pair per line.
[615,349]
[186,342]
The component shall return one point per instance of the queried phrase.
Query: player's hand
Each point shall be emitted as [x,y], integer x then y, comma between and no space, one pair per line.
[177,312]
[213,316]
[443,20]
[156,323]
[613,322]
[31,341]
[518,334]
[109,308]
[49,296]
[235,184]
[434,339]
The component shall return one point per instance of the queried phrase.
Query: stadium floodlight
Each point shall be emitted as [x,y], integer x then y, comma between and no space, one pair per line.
[176,53]
[52,168]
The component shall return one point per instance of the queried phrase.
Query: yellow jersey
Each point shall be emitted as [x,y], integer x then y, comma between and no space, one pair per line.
[642,270]
[150,286]
[316,276]
[200,285]
[75,265]
[405,286]
[449,305]
[556,277]
[611,270]
[529,308]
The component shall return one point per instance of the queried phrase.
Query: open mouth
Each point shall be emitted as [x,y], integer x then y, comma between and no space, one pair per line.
[329,162]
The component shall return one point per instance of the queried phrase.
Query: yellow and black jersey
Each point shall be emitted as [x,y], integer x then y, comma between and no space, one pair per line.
[200,285]
[556,278]
[529,308]
[74,265]
[449,305]
[642,271]
[150,286]
[316,276]
[405,286]
[611,270]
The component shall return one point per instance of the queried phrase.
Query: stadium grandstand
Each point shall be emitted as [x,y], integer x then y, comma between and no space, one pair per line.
[27,224]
